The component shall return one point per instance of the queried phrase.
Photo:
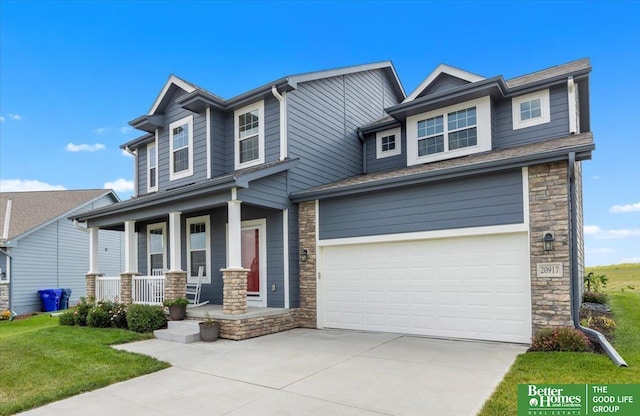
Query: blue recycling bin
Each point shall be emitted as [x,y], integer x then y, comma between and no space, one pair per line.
[50,299]
[64,298]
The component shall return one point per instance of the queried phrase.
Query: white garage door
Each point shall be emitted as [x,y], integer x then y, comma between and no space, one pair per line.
[465,287]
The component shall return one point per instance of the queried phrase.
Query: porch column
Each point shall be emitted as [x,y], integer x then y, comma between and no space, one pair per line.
[94,255]
[130,249]
[175,248]
[90,284]
[234,277]
[126,281]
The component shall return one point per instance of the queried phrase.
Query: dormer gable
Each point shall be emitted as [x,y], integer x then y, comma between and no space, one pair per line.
[167,92]
[442,78]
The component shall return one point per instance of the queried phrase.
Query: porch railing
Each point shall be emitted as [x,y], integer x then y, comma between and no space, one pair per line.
[108,288]
[148,290]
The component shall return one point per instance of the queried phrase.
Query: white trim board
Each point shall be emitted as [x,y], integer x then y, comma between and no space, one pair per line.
[425,235]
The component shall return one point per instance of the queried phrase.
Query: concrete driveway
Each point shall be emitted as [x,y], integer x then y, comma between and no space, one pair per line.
[305,372]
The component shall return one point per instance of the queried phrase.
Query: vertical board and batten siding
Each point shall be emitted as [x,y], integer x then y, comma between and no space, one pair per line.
[174,112]
[142,171]
[505,136]
[385,163]
[271,132]
[218,144]
[493,199]
[56,256]
[323,116]
[442,83]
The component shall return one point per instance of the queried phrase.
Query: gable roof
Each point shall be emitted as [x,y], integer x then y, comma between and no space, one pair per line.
[441,70]
[32,210]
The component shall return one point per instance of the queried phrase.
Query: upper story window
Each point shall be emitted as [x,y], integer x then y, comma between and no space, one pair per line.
[457,130]
[388,143]
[530,109]
[152,168]
[181,148]
[249,135]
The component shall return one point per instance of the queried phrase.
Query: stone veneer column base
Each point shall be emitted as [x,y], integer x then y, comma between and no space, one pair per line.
[4,296]
[549,211]
[90,284]
[307,315]
[126,280]
[234,293]
[175,284]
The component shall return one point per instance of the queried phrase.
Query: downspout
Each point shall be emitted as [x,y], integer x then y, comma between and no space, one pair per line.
[283,121]
[364,151]
[135,167]
[575,282]
[7,221]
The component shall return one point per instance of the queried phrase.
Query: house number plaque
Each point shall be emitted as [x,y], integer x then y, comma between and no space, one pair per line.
[549,269]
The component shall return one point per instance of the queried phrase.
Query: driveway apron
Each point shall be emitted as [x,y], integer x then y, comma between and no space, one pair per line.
[305,372]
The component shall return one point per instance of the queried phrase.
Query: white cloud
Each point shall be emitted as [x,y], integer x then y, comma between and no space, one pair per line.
[631,260]
[15,116]
[101,130]
[125,153]
[18,185]
[119,185]
[600,250]
[71,147]
[616,209]
[124,129]
[1,119]
[595,178]
[592,229]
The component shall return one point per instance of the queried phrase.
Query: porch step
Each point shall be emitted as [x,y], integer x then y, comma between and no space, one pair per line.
[183,332]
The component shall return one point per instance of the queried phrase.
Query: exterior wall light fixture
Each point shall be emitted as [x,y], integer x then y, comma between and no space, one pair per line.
[304,256]
[548,241]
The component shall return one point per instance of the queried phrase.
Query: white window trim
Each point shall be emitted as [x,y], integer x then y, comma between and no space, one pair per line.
[386,153]
[545,109]
[188,172]
[152,147]
[260,160]
[207,225]
[483,129]
[156,226]
[260,224]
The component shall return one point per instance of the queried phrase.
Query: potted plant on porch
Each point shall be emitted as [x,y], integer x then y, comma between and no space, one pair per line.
[209,329]
[177,308]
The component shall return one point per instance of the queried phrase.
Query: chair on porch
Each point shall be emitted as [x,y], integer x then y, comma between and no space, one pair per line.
[193,291]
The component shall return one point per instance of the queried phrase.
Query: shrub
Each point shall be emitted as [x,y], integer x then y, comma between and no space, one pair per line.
[145,318]
[595,297]
[98,317]
[176,302]
[82,310]
[5,315]
[67,319]
[595,281]
[560,339]
[602,324]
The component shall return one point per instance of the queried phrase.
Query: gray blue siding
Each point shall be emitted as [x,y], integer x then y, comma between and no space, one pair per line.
[386,163]
[442,83]
[505,136]
[494,199]
[57,256]
[323,116]
[268,192]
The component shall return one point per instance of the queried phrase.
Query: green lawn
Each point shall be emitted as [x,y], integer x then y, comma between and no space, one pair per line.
[582,368]
[41,362]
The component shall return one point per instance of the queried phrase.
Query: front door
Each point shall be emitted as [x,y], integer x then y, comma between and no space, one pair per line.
[254,259]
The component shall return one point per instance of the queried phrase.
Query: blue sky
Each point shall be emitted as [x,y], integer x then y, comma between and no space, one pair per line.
[73,74]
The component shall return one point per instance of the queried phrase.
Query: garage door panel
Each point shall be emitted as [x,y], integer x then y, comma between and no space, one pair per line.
[467,287]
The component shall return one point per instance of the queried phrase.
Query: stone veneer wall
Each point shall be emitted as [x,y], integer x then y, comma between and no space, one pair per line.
[549,211]
[126,281]
[90,284]
[255,327]
[234,291]
[4,296]
[175,284]
[307,317]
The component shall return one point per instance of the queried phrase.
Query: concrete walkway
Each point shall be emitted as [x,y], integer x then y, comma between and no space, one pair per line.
[305,372]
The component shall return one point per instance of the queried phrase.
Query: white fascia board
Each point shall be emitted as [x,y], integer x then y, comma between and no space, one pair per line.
[446,69]
[425,235]
[172,80]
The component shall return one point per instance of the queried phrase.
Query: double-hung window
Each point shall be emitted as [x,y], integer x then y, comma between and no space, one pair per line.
[198,251]
[453,131]
[249,135]
[531,109]
[156,247]
[152,168]
[181,148]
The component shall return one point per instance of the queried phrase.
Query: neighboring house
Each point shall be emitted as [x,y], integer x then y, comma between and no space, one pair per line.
[347,204]
[40,248]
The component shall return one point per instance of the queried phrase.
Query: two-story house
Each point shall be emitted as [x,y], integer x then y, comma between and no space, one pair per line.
[333,200]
